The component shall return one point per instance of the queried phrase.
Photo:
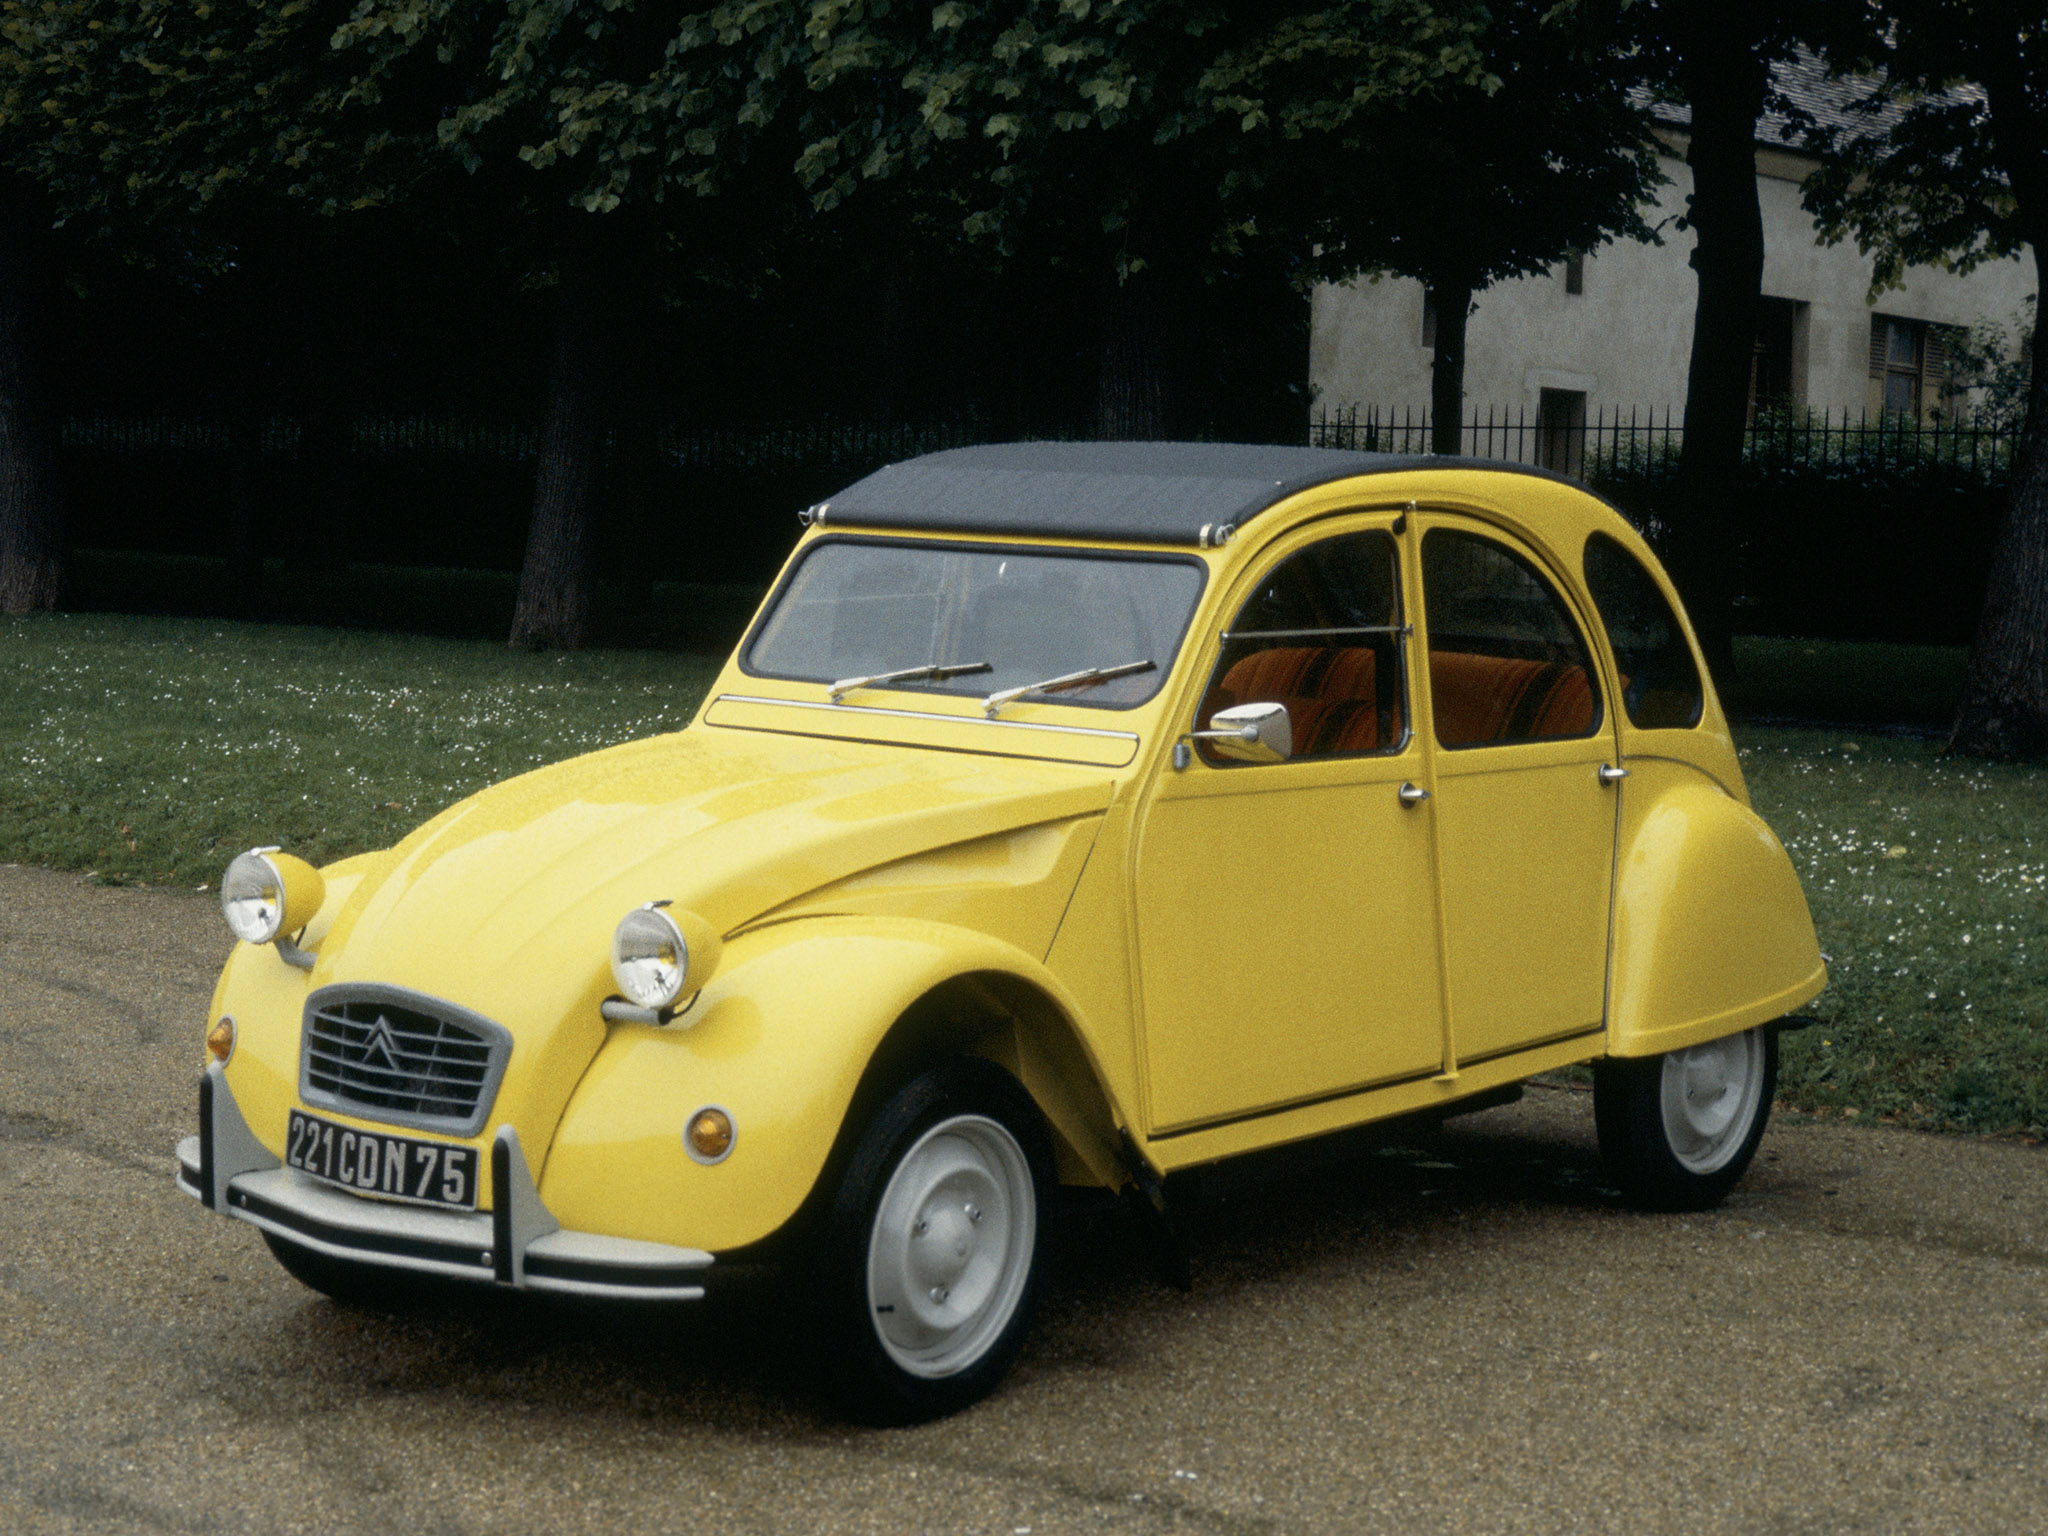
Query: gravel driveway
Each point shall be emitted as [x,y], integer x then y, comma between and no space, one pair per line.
[1462,1334]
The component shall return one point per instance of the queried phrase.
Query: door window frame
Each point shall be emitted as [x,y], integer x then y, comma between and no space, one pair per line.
[1393,521]
[1563,587]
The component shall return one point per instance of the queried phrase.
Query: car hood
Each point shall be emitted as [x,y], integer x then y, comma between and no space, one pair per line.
[505,903]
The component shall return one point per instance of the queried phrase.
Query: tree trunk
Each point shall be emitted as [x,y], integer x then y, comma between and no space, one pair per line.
[1453,298]
[2004,712]
[244,595]
[553,610]
[31,513]
[1725,80]
[1135,389]
[637,516]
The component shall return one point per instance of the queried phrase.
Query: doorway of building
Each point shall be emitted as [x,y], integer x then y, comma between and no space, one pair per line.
[1561,430]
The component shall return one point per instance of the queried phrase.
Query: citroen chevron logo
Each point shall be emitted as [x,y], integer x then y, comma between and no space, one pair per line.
[380,1051]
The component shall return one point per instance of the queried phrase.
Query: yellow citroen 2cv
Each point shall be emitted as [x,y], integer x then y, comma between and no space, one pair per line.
[1071,814]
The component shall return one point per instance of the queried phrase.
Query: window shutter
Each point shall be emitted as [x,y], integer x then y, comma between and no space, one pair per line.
[1934,357]
[1878,331]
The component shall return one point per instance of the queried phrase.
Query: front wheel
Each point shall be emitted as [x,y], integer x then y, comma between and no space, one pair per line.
[933,1250]
[1677,1131]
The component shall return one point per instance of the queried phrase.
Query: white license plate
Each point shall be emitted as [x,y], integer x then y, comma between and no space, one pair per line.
[378,1163]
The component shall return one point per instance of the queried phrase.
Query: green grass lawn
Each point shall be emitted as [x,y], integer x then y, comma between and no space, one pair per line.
[1859,681]
[1928,879]
[152,749]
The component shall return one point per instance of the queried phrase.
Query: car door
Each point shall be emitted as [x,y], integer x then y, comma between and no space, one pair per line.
[1285,911]
[1525,814]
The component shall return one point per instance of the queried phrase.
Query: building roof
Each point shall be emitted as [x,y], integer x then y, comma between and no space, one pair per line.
[1167,493]
[1805,94]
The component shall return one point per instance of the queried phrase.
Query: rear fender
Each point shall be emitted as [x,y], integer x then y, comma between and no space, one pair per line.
[1711,930]
[804,1021]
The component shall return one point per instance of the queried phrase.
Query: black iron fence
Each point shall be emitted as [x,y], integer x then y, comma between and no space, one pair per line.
[1629,443]
[1852,526]
[729,447]
[1864,526]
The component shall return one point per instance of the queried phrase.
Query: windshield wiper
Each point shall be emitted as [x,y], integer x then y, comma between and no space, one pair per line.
[1086,678]
[931,671]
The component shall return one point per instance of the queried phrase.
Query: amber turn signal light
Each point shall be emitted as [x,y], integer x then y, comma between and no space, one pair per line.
[708,1137]
[220,1040]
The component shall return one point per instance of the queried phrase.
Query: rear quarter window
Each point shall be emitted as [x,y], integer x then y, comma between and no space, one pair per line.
[1660,680]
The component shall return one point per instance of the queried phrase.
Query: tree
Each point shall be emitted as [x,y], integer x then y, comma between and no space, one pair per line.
[1152,133]
[1719,59]
[1954,171]
[159,130]
[1473,181]
[606,130]
[31,514]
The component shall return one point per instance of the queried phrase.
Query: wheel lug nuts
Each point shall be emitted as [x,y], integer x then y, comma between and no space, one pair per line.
[938,1293]
[973,1213]
[919,1228]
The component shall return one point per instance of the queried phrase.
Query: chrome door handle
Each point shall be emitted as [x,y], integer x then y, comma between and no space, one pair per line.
[1609,774]
[1413,794]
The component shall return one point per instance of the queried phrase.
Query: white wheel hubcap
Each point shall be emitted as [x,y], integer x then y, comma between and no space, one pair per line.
[1710,1095]
[951,1246]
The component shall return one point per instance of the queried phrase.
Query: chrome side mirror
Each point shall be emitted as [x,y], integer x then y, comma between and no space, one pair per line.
[1250,733]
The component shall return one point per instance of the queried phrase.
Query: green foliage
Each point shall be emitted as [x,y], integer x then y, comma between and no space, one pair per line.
[1857,531]
[1993,364]
[145,118]
[1948,167]
[622,102]
[1487,178]
[1160,114]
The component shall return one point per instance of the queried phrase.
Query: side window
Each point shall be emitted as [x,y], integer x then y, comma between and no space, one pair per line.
[1322,635]
[1506,662]
[1660,681]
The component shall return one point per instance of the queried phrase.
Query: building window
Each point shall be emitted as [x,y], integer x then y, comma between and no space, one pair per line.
[1429,318]
[1908,366]
[1777,368]
[1561,430]
[1575,273]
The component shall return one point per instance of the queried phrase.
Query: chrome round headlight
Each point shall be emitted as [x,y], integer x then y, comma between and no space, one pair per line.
[650,957]
[252,897]
[266,893]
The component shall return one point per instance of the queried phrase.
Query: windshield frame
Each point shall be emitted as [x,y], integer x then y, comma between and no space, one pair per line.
[1163,669]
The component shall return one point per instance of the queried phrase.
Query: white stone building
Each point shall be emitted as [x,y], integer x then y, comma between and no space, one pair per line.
[1612,331]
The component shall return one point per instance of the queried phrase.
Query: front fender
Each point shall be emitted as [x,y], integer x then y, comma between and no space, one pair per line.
[1711,930]
[779,1039]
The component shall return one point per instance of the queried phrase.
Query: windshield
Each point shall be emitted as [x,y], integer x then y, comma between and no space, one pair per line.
[855,609]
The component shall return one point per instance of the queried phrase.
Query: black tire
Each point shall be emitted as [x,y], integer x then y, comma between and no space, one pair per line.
[373,1287]
[1678,1131]
[934,1245]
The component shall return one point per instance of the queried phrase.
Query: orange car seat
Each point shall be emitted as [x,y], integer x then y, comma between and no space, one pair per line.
[1504,698]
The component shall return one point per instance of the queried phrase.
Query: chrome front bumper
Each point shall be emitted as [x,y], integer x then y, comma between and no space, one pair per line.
[517,1244]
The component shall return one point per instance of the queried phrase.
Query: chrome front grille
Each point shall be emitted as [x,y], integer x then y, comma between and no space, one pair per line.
[388,1054]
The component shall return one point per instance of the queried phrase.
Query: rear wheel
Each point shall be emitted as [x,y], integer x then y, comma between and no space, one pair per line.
[932,1254]
[1678,1131]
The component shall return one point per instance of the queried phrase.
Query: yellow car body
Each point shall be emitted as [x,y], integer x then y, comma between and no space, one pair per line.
[1180,957]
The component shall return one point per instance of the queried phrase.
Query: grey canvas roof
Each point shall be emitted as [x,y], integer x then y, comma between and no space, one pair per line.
[1169,493]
